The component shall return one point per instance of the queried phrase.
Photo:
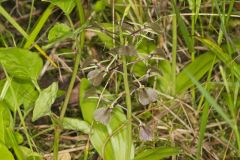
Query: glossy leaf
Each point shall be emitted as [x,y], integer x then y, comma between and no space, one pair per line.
[5,153]
[157,153]
[44,101]
[57,31]
[21,63]
[76,124]
[65,5]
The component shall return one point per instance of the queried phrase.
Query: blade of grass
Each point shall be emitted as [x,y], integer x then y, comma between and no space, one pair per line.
[211,100]
[183,28]
[203,124]
[25,35]
[224,57]
[39,26]
[213,103]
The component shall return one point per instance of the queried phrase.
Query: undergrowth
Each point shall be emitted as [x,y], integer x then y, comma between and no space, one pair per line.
[119,80]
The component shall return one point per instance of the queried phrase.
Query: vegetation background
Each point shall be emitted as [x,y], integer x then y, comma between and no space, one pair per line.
[119,79]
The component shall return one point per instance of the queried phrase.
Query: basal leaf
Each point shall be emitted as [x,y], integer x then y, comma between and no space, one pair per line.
[5,153]
[157,153]
[198,68]
[21,63]
[44,102]
[65,5]
[88,105]
[57,31]
[76,124]
[110,141]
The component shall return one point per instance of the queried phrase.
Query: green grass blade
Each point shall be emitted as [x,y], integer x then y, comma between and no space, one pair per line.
[183,28]
[203,124]
[224,57]
[39,26]
[211,100]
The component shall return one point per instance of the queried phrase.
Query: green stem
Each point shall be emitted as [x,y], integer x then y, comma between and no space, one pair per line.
[174,53]
[129,108]
[80,46]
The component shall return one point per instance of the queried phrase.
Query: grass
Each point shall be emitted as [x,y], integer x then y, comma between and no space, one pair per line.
[135,80]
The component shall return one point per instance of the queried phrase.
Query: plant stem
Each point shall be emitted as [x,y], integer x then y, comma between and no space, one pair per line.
[174,53]
[129,108]
[80,45]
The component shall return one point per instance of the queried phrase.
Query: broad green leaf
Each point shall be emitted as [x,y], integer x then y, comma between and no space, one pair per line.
[109,146]
[44,102]
[21,63]
[76,124]
[198,68]
[58,31]
[24,91]
[65,5]
[5,153]
[222,55]
[157,153]
[29,154]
